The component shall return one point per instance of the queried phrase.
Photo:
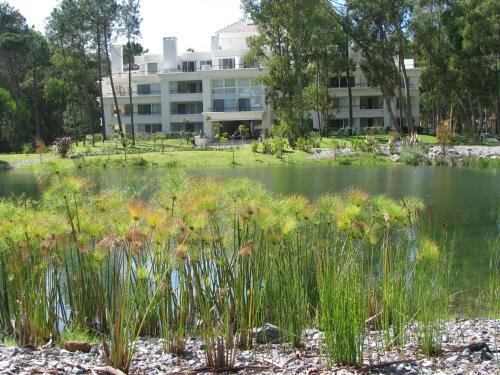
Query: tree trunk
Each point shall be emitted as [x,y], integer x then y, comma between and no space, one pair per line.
[129,61]
[349,89]
[387,100]
[115,99]
[317,98]
[101,96]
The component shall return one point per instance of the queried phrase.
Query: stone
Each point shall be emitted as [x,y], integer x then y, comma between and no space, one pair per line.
[426,364]
[452,359]
[267,334]
[486,355]
[73,346]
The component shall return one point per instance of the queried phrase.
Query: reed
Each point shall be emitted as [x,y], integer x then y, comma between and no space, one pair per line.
[216,260]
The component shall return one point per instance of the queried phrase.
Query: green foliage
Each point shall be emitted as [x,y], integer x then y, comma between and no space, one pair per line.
[370,144]
[254,146]
[444,134]
[412,155]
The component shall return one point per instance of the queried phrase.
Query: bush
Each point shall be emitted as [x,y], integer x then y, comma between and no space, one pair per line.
[444,134]
[98,137]
[412,155]
[267,146]
[304,144]
[62,146]
[254,146]
[370,144]
[279,146]
[27,148]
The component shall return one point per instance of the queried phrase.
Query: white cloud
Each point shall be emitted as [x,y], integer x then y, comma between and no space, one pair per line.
[191,21]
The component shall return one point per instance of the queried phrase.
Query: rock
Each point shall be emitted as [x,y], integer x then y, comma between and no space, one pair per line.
[395,157]
[266,334]
[427,364]
[452,359]
[467,352]
[486,355]
[73,346]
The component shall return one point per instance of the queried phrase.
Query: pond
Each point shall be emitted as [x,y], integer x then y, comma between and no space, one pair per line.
[473,195]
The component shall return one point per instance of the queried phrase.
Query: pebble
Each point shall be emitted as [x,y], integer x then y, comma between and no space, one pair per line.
[150,358]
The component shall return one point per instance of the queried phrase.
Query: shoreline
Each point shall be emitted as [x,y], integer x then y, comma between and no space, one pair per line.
[458,356]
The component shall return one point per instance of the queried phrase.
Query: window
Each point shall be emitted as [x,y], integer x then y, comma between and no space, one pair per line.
[244,104]
[156,108]
[144,109]
[152,128]
[206,64]
[256,103]
[155,89]
[341,82]
[144,89]
[127,110]
[230,105]
[227,63]
[188,66]
[152,68]
[218,105]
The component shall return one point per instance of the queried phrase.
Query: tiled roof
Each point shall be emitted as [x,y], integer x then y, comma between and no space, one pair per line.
[239,27]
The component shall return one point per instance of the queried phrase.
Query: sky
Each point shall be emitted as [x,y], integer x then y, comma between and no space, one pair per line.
[193,22]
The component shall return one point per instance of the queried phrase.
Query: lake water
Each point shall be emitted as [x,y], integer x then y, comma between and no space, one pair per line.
[473,194]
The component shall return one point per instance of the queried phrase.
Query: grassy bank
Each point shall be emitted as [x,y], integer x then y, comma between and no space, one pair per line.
[243,156]
[215,260]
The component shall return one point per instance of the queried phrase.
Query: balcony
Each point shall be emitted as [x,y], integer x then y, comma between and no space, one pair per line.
[187,91]
[125,93]
[186,111]
[210,67]
[236,109]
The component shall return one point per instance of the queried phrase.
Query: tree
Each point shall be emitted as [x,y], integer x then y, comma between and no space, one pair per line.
[130,27]
[283,46]
[371,27]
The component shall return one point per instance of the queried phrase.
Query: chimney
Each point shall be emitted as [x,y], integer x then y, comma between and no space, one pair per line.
[116,53]
[170,53]
[215,43]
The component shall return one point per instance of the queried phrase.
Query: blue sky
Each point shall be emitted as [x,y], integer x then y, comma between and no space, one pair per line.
[191,21]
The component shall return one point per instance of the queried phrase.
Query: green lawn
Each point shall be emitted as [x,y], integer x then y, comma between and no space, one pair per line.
[111,154]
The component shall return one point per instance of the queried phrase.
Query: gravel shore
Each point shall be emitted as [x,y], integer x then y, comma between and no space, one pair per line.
[469,347]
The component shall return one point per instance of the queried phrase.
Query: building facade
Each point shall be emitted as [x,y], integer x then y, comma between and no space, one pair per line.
[190,91]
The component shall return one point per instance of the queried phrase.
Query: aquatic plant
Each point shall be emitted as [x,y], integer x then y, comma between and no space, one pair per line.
[216,260]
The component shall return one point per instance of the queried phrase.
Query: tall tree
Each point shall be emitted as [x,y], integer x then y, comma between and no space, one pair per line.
[283,46]
[130,27]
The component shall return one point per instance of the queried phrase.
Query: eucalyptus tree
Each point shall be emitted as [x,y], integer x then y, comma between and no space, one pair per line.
[371,27]
[286,29]
[130,22]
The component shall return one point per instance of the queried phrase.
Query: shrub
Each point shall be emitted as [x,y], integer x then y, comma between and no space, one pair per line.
[267,146]
[304,144]
[444,134]
[62,146]
[254,146]
[40,147]
[370,144]
[27,148]
[278,146]
[98,137]
[412,155]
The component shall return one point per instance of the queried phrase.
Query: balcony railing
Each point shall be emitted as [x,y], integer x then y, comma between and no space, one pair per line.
[186,111]
[138,113]
[186,91]
[236,109]
[126,93]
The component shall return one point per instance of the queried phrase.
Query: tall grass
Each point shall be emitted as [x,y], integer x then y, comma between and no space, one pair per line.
[215,260]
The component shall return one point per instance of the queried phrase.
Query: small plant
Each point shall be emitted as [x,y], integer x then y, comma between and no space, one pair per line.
[254,146]
[62,146]
[370,145]
[444,134]
[27,148]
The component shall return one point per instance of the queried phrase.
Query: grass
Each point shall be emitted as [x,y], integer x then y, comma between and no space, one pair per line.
[244,157]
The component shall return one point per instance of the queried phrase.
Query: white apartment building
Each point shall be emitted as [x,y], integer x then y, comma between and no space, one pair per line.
[190,91]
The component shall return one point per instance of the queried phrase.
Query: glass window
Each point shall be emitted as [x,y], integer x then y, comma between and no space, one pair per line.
[144,109]
[217,83]
[230,105]
[152,68]
[205,64]
[256,103]
[155,88]
[218,105]
[244,104]
[227,63]
[127,109]
[230,83]
[144,89]
[156,108]
[244,82]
